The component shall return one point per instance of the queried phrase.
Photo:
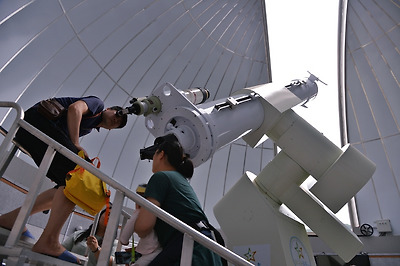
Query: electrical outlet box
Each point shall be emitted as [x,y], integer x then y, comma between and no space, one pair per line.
[383,226]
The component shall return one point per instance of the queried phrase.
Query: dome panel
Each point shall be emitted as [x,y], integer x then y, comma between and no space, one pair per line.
[80,78]
[372,95]
[85,13]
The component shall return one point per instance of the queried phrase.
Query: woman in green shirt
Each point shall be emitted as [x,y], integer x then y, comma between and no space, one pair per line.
[169,189]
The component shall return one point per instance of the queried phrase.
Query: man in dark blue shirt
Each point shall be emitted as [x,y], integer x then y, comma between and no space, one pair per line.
[82,115]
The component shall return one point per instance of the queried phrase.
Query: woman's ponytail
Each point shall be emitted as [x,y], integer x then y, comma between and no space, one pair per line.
[186,168]
[176,157]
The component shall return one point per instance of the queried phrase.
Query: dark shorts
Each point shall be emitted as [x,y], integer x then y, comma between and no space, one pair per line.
[60,165]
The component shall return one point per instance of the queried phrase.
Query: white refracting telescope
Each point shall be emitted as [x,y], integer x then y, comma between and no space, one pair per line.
[252,214]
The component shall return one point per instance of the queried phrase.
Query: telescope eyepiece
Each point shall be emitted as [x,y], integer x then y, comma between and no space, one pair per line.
[120,113]
[148,153]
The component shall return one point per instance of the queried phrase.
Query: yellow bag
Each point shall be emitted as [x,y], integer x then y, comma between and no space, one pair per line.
[85,189]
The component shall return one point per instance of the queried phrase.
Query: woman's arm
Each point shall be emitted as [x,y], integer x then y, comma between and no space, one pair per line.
[128,229]
[146,220]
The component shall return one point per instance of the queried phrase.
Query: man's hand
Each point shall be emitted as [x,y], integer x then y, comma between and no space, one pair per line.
[79,147]
[92,243]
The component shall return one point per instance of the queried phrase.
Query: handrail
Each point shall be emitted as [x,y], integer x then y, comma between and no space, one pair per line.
[4,132]
[122,192]
[4,154]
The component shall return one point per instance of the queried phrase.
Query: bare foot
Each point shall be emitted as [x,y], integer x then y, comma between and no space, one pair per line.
[47,248]
[63,254]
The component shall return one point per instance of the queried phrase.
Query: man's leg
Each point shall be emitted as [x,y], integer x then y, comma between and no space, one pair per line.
[49,243]
[43,202]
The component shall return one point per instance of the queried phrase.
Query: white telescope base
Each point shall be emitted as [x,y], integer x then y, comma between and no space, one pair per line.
[258,231]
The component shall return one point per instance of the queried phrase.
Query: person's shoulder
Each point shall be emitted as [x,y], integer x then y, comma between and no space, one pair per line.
[160,174]
[92,97]
[66,101]
[94,103]
[175,175]
[161,178]
[69,99]
[167,174]
[172,177]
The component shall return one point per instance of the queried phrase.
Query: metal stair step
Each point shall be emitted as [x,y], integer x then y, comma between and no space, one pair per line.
[22,254]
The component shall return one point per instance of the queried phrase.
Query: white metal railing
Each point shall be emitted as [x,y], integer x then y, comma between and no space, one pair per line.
[190,234]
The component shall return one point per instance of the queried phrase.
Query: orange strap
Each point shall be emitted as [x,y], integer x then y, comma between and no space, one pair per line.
[107,211]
